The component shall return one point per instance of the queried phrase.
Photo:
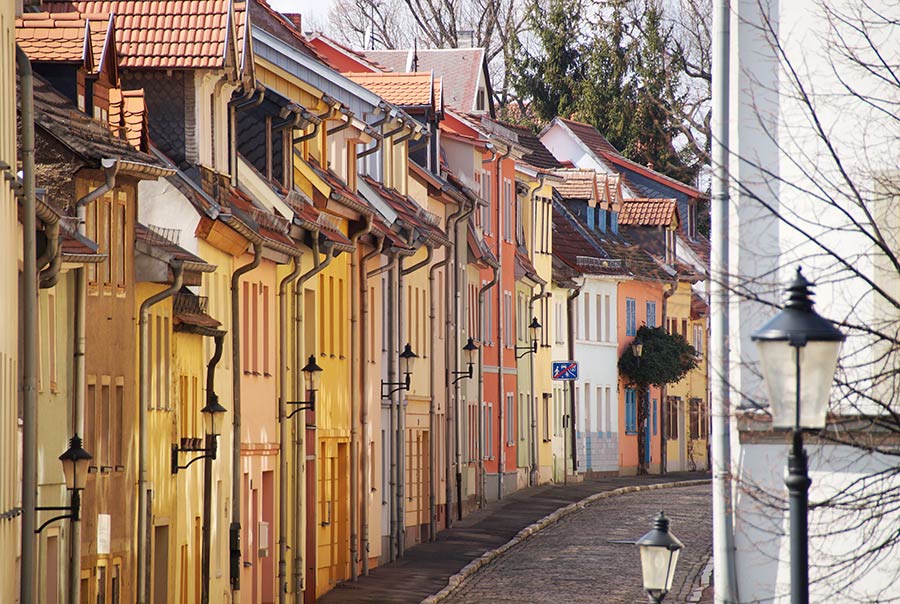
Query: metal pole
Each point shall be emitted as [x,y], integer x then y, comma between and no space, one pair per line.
[723,528]
[798,483]
[29,338]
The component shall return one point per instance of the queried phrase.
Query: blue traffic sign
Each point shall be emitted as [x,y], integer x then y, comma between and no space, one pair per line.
[565,370]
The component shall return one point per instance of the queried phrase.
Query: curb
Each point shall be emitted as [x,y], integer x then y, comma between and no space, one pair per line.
[486,558]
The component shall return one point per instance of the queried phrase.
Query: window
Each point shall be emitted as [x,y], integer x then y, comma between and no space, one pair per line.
[602,217]
[630,411]
[479,215]
[671,416]
[510,419]
[586,405]
[486,195]
[591,217]
[609,426]
[600,410]
[698,338]
[587,317]
[607,316]
[598,309]
[630,316]
[507,209]
[614,222]
[698,419]
[487,323]
[653,415]
[508,318]
[546,396]
[488,431]
[651,314]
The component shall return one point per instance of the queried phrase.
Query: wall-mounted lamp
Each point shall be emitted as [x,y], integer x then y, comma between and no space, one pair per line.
[311,376]
[212,414]
[637,347]
[75,461]
[469,349]
[407,358]
[534,330]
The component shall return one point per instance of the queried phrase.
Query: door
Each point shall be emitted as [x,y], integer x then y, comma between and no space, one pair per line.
[160,565]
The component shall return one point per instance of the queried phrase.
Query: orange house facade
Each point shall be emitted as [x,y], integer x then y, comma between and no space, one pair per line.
[639,303]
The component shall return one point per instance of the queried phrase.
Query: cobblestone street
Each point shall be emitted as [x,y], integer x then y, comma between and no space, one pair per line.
[574,560]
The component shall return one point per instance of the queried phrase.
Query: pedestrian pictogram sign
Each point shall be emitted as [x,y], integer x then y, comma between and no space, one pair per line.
[565,370]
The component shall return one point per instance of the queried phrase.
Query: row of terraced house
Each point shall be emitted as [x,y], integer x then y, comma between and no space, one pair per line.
[300,303]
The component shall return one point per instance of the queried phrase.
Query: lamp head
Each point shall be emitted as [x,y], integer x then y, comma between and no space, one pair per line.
[312,374]
[470,349]
[659,555]
[211,414]
[407,357]
[534,329]
[798,339]
[637,347]
[75,461]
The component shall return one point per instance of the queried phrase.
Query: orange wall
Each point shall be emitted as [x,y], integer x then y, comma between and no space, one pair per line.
[642,292]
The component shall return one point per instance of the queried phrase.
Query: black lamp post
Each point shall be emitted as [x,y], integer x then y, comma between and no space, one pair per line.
[75,461]
[534,330]
[469,349]
[407,358]
[798,341]
[311,377]
[659,554]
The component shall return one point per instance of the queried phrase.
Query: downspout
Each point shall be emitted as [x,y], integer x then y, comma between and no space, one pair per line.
[80,302]
[283,430]
[535,470]
[501,457]
[111,169]
[364,411]
[570,322]
[357,400]
[401,404]
[481,295]
[235,528]
[300,425]
[725,570]
[454,349]
[211,397]
[663,454]
[143,549]
[29,336]
[432,407]
[52,254]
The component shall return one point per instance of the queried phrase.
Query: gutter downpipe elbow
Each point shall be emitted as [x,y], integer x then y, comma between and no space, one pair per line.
[236,482]
[481,295]
[110,172]
[30,337]
[143,549]
[282,428]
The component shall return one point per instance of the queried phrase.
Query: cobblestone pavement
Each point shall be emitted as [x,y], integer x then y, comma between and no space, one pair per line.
[575,559]
[425,568]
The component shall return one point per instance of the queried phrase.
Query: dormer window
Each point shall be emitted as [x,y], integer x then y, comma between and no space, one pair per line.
[480,100]
[670,246]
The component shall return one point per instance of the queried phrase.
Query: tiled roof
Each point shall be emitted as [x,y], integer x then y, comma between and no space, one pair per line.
[164,34]
[158,238]
[578,250]
[306,214]
[576,183]
[590,136]
[60,37]
[648,212]
[128,112]
[538,155]
[411,213]
[262,15]
[403,89]
[459,68]
[84,136]
[626,163]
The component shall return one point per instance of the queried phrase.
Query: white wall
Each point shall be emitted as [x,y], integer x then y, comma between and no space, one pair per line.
[782,165]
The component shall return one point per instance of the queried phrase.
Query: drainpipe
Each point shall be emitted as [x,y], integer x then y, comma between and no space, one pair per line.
[80,301]
[457,298]
[570,322]
[52,255]
[535,470]
[207,472]
[719,360]
[481,294]
[143,549]
[364,411]
[235,528]
[432,407]
[283,429]
[501,457]
[393,351]
[401,404]
[29,336]
[663,456]
[300,424]
[357,400]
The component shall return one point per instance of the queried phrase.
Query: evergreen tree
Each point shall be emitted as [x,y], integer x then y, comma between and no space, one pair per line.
[549,79]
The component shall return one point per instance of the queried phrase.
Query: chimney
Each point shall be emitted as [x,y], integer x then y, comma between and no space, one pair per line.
[296,20]
[465,38]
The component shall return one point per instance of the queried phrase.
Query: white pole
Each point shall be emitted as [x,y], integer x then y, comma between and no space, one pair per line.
[723,527]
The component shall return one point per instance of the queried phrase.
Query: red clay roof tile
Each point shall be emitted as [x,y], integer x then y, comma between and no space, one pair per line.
[649,212]
[403,89]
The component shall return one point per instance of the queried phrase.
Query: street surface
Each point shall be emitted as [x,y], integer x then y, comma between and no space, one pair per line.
[574,560]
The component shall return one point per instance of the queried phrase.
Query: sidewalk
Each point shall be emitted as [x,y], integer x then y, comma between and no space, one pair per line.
[426,568]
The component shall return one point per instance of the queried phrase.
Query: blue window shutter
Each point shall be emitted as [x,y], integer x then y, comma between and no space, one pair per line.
[654,417]
[590,217]
[601,221]
[614,223]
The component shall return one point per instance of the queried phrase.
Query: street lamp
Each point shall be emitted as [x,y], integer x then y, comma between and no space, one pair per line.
[659,554]
[534,330]
[637,348]
[469,349]
[75,461]
[798,342]
[212,413]
[407,358]
[311,377]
